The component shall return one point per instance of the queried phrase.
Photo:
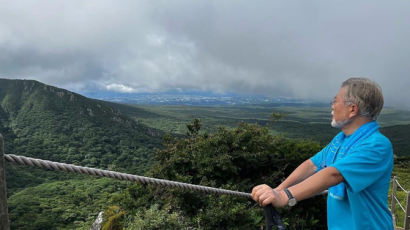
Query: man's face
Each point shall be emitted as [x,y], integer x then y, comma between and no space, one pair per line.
[340,110]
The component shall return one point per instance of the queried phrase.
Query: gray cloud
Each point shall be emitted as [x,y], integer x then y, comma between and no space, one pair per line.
[275,48]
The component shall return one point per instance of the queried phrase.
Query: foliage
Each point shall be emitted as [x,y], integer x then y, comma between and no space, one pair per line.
[61,205]
[235,159]
[45,122]
[113,218]
[155,218]
[54,124]
[194,127]
[275,116]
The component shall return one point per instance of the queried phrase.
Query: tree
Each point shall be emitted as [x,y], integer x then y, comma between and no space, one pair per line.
[235,159]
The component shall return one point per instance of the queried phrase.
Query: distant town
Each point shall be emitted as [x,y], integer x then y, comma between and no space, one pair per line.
[198,99]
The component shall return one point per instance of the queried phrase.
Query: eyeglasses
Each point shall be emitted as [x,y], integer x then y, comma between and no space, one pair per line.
[334,102]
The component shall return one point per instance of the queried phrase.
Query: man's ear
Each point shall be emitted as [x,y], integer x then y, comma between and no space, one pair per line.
[354,110]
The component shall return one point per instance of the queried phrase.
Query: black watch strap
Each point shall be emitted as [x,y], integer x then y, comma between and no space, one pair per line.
[292,201]
[288,193]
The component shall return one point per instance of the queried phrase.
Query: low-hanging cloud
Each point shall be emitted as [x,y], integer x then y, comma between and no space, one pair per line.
[275,48]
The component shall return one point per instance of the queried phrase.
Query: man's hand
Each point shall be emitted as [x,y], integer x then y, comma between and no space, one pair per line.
[264,195]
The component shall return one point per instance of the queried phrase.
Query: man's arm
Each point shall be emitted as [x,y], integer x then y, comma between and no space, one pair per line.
[314,184]
[303,171]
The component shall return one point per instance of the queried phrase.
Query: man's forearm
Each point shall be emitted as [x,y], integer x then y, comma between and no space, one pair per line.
[303,171]
[315,184]
[302,183]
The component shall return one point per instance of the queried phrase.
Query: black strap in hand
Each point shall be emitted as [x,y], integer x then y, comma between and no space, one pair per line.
[272,218]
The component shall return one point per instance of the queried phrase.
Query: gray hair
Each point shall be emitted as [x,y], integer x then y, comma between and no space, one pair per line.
[366,94]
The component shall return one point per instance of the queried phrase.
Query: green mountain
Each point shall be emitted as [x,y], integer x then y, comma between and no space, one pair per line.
[50,123]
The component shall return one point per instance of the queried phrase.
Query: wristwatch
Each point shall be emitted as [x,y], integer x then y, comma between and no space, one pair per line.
[292,201]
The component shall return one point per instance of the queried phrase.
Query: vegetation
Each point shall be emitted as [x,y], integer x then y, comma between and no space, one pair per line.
[402,173]
[235,159]
[69,204]
[54,124]
[155,218]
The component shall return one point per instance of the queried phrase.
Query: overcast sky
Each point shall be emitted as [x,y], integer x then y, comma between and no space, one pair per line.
[275,48]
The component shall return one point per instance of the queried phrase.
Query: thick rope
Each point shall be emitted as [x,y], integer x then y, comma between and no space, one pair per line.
[116,175]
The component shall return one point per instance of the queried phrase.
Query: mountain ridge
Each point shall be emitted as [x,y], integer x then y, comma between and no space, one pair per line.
[50,123]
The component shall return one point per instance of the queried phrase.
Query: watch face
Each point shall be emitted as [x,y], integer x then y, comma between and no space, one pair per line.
[292,202]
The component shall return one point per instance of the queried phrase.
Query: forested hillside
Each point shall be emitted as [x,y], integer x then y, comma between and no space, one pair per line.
[50,123]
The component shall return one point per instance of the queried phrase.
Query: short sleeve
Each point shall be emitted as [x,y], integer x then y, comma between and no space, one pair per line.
[319,159]
[366,163]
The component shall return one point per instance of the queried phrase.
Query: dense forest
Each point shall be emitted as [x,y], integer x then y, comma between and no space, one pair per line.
[54,124]
[236,153]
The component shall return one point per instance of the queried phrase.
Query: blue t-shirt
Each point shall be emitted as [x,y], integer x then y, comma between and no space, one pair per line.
[367,170]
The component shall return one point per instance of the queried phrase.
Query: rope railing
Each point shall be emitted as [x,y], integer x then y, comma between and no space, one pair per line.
[21,160]
[398,202]
[398,184]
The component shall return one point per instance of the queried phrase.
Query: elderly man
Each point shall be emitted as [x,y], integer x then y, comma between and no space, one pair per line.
[355,166]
